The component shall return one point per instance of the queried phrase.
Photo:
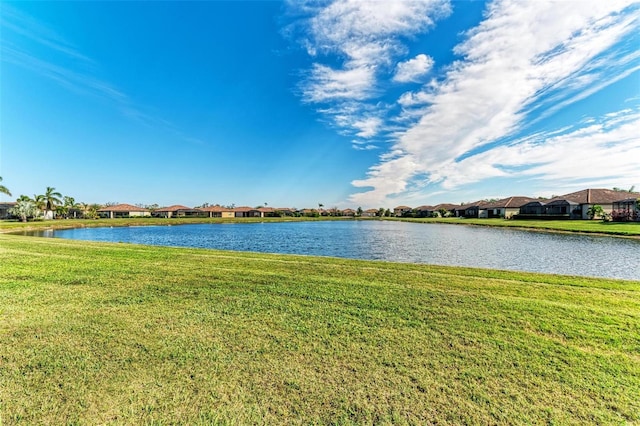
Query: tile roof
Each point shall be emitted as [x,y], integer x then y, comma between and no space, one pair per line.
[123,208]
[216,209]
[446,206]
[598,196]
[174,208]
[512,202]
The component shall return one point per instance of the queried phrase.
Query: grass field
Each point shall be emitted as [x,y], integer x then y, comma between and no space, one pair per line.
[582,226]
[116,333]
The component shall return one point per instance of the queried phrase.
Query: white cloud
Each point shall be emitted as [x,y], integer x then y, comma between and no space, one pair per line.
[326,84]
[367,127]
[596,151]
[522,54]
[413,69]
[366,38]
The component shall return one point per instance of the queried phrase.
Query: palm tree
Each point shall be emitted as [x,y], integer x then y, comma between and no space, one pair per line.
[3,189]
[51,198]
[70,204]
[24,209]
[595,211]
[38,201]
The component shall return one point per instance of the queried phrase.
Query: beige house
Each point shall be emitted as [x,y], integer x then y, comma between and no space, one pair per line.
[506,208]
[178,211]
[123,210]
[401,211]
[603,197]
[218,211]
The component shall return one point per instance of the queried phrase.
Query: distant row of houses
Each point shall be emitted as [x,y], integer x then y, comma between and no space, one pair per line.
[620,206]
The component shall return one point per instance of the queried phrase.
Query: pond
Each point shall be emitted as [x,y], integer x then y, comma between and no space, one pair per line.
[442,244]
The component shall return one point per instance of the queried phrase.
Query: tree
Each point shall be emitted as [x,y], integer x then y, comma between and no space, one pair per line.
[359,211]
[38,200]
[3,189]
[69,203]
[24,209]
[594,211]
[51,199]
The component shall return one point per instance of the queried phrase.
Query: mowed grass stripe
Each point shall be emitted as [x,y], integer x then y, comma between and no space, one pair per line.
[118,333]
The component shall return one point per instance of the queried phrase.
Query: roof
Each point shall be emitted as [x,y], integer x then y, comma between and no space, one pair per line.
[402,208]
[513,202]
[244,209]
[174,208]
[216,209]
[479,203]
[598,196]
[425,208]
[445,206]
[123,208]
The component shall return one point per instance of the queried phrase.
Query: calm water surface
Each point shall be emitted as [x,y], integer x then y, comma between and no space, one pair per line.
[441,244]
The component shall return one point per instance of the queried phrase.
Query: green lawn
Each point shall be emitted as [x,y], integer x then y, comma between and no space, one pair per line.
[584,226]
[118,333]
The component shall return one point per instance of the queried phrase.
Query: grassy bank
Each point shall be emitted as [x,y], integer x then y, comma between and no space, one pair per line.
[101,333]
[629,229]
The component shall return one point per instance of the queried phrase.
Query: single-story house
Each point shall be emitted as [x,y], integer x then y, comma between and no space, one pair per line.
[370,213]
[532,209]
[178,211]
[348,212]
[247,212]
[425,211]
[218,211]
[4,209]
[473,210]
[401,211]
[445,209]
[123,210]
[506,208]
[602,197]
[626,210]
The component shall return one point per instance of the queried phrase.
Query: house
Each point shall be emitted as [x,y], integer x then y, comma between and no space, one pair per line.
[626,210]
[285,211]
[505,208]
[178,211]
[445,209]
[246,212]
[472,210]
[370,213]
[218,211]
[123,210]
[401,211]
[531,210]
[425,211]
[348,212]
[4,210]
[576,205]
[605,198]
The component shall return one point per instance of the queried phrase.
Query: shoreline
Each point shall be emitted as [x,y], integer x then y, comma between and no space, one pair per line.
[10,227]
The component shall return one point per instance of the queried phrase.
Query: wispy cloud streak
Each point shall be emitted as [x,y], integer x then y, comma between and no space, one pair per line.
[366,37]
[523,56]
[27,42]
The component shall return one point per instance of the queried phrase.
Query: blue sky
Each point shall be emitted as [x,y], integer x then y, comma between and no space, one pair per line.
[344,103]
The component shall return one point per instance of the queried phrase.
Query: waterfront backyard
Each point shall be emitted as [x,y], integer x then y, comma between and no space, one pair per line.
[118,333]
